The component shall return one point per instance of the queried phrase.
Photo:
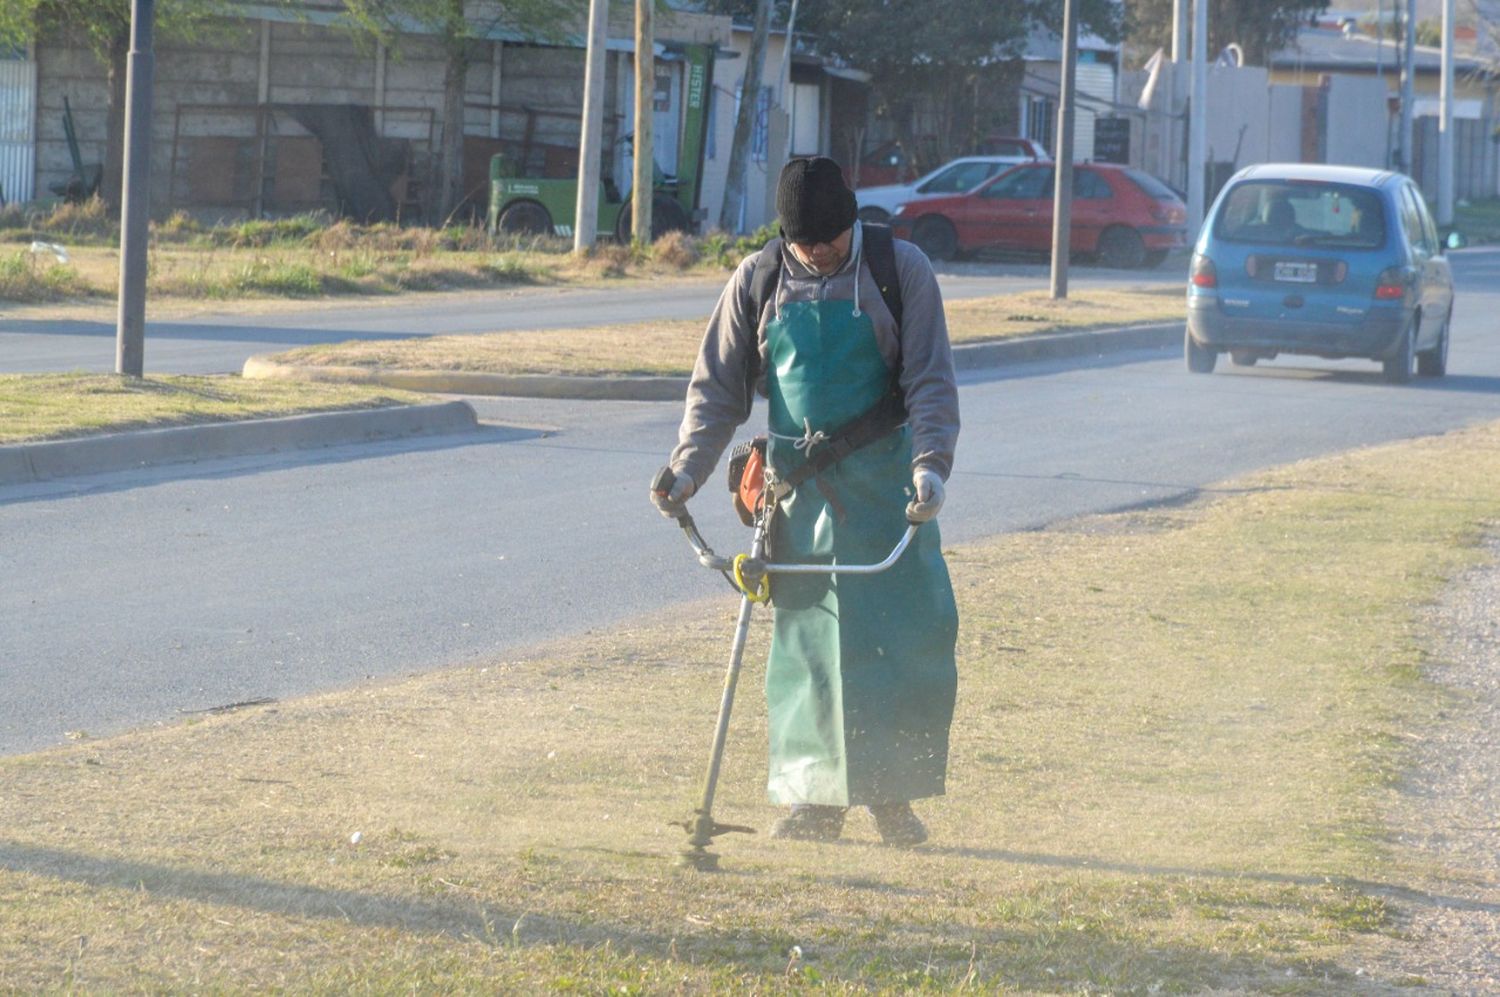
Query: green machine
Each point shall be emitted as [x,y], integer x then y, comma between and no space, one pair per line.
[534,205]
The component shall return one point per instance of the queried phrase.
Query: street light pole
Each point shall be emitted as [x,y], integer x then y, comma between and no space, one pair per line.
[1062,189]
[1445,122]
[135,212]
[1408,84]
[1198,119]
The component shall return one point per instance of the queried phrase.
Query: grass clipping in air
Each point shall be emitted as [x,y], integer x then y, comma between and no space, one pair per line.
[666,348]
[1174,732]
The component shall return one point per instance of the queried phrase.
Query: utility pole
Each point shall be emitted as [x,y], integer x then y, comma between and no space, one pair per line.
[784,79]
[586,209]
[1198,119]
[739,148]
[1408,84]
[1172,145]
[644,144]
[1179,30]
[1062,184]
[135,211]
[1445,123]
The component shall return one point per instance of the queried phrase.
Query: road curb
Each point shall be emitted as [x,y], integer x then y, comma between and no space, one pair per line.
[21,463]
[977,356]
[1059,345]
[467,382]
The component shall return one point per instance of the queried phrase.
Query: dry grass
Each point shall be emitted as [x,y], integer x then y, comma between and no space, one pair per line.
[317,257]
[53,406]
[1174,728]
[1030,312]
[669,347]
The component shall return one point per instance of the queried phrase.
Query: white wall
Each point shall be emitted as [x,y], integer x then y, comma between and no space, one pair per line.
[1358,121]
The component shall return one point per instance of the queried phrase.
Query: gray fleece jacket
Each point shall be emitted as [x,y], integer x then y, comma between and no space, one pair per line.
[719,394]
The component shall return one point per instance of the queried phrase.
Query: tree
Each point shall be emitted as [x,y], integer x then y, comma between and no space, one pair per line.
[936,77]
[1261,27]
[104,25]
[739,148]
[458,24]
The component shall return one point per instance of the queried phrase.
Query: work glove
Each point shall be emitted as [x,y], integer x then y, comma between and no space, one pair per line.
[928,486]
[673,502]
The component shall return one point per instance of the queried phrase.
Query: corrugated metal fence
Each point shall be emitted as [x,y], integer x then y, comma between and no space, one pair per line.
[17,127]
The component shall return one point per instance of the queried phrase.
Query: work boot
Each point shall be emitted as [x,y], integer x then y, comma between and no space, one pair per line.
[897,825]
[810,822]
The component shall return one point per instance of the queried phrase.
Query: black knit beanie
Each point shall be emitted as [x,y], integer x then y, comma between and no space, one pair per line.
[812,200]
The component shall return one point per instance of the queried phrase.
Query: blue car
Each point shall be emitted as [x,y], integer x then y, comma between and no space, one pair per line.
[1331,261]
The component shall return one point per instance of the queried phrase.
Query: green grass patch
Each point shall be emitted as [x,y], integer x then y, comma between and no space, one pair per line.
[1174,735]
[54,406]
[27,276]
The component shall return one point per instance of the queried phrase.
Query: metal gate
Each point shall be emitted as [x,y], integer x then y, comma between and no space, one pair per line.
[17,126]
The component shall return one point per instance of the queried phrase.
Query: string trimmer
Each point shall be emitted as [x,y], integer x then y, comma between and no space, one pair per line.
[751,575]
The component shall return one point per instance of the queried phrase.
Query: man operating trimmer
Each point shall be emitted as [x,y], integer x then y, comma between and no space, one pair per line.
[842,330]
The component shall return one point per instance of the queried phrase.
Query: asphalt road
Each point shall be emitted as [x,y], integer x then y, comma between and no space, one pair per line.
[127,599]
[219,343]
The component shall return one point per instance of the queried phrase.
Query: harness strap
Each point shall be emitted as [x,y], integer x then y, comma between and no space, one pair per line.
[880,419]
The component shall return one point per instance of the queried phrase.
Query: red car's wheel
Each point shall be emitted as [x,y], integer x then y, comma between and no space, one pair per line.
[1121,247]
[936,237]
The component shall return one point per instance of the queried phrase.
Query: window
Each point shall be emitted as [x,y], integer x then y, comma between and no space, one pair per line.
[760,135]
[1411,222]
[1429,228]
[1024,183]
[1090,186]
[1152,186]
[1039,123]
[1299,213]
[960,177]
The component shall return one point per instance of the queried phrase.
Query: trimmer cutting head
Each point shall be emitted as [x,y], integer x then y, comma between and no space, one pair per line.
[702,830]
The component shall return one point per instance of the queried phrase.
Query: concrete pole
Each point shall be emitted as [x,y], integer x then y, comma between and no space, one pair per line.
[1062,190]
[645,142]
[784,80]
[135,211]
[1408,84]
[1179,30]
[586,209]
[1198,119]
[1445,123]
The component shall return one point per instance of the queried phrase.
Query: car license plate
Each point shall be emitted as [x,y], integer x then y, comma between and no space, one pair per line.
[1297,273]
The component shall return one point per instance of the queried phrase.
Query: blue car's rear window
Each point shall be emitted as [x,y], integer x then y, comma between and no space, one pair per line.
[1292,213]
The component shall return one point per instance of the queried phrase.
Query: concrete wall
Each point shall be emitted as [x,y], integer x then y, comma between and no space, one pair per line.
[252,62]
[1345,122]
[1358,122]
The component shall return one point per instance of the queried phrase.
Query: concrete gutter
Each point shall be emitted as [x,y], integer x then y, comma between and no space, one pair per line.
[27,462]
[1020,349]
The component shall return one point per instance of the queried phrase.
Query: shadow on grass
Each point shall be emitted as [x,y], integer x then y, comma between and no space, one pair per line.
[1086,863]
[999,952]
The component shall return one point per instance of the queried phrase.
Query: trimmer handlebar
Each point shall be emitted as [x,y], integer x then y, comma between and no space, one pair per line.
[754,567]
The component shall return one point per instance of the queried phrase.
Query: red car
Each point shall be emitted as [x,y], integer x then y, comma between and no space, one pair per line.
[1122,216]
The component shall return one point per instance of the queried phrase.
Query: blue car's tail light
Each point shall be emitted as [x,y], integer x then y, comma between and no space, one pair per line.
[1391,284]
[1202,272]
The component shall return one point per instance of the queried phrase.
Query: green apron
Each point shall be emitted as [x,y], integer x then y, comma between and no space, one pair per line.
[861,678]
